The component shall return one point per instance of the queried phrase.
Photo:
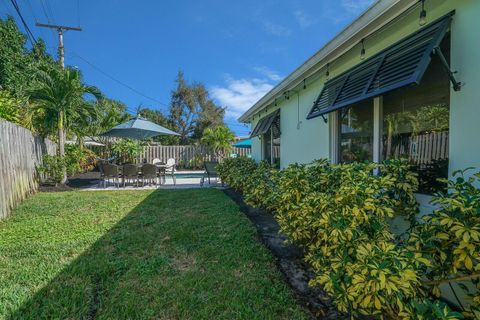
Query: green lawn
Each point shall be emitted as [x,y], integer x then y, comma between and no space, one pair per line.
[168,254]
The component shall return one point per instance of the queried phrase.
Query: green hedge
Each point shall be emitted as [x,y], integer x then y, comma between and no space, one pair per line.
[339,215]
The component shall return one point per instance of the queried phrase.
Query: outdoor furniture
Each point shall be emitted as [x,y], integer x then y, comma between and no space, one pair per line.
[157,161]
[110,171]
[130,171]
[169,169]
[138,128]
[148,172]
[211,170]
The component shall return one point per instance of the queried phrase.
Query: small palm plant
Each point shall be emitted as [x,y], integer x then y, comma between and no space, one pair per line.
[59,96]
[219,140]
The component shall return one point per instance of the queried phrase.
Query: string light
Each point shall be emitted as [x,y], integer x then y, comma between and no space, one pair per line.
[362,52]
[423,15]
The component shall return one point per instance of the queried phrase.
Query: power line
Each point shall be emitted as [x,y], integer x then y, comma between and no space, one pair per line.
[78,12]
[30,7]
[44,10]
[50,10]
[30,35]
[119,81]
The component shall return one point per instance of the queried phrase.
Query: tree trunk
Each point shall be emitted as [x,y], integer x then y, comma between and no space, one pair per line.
[61,144]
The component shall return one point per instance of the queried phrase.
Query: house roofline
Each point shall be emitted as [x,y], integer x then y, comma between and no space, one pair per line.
[373,19]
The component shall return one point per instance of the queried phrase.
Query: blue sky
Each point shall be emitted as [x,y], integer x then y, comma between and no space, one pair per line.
[238,49]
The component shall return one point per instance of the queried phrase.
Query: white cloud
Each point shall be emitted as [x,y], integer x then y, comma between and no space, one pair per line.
[270,74]
[355,7]
[303,20]
[240,94]
[276,29]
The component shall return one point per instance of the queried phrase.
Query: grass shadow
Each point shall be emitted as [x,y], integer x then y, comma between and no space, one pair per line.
[177,254]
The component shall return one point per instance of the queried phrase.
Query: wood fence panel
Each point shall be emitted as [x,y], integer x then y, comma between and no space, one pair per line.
[20,154]
[183,154]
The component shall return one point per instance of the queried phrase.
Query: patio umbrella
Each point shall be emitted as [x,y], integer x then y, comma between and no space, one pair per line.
[247,144]
[138,128]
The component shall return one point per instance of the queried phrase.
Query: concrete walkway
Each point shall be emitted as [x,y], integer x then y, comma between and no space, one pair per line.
[182,183]
[91,181]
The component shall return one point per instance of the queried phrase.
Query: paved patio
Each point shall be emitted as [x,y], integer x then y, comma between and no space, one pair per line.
[92,182]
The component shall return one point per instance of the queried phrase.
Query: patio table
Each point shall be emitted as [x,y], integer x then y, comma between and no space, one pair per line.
[161,168]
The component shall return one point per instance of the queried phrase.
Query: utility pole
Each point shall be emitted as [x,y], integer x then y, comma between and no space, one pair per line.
[61,115]
[60,30]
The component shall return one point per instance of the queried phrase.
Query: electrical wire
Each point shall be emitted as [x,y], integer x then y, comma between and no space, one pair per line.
[49,9]
[78,12]
[30,7]
[30,35]
[48,19]
[119,81]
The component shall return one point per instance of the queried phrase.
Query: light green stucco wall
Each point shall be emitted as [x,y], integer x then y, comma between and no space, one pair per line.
[302,140]
[311,140]
[465,105]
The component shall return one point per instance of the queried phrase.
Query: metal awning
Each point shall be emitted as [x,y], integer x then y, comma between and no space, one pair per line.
[402,64]
[265,124]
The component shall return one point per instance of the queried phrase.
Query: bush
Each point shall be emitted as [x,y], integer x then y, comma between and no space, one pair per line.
[52,168]
[79,160]
[339,215]
[450,238]
[128,150]
[75,160]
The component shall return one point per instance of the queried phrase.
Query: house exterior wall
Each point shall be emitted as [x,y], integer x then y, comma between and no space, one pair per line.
[305,140]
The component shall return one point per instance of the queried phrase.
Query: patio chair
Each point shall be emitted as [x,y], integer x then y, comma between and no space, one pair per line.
[170,170]
[130,171]
[156,161]
[110,171]
[211,170]
[149,172]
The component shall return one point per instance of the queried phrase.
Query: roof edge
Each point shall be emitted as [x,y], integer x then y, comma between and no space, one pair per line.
[376,16]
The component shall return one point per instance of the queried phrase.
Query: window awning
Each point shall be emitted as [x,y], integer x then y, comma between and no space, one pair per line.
[265,124]
[401,64]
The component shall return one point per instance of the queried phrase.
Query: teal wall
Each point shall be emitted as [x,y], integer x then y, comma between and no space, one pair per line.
[310,139]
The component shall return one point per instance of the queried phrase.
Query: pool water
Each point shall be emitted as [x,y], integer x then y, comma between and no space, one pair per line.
[189,175]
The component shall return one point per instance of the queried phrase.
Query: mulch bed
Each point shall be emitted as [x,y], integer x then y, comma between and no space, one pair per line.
[289,261]
[80,180]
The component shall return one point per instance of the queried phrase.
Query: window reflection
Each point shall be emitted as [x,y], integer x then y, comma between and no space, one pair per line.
[356,133]
[416,126]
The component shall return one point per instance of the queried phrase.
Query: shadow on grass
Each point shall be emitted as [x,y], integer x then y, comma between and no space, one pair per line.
[177,255]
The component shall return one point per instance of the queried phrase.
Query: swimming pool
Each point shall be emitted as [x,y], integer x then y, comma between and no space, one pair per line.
[189,175]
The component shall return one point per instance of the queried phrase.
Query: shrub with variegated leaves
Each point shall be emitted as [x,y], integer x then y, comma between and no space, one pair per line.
[339,215]
[450,239]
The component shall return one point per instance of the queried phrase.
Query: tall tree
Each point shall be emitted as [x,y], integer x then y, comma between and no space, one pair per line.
[60,96]
[17,63]
[192,110]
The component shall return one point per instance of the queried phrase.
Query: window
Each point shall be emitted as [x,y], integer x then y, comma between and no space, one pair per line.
[416,125]
[356,133]
[413,124]
[271,143]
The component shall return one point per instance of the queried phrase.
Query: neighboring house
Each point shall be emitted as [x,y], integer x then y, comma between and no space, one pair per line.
[399,81]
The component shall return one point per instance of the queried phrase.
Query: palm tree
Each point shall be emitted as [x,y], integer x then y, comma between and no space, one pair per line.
[219,140]
[60,96]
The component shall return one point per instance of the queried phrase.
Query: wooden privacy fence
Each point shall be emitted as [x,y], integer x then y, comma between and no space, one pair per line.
[20,153]
[183,154]
[421,149]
